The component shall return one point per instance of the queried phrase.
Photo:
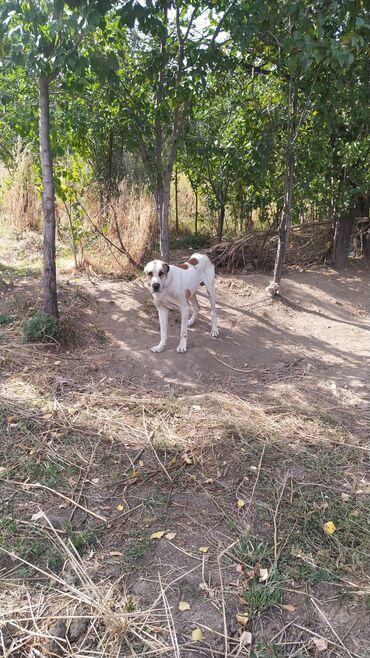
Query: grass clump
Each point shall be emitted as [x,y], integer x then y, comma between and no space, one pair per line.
[41,327]
[5,319]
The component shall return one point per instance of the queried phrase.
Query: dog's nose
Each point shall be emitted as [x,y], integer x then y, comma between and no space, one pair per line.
[156,287]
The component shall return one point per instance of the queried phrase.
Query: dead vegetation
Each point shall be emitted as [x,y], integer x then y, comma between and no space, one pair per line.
[308,245]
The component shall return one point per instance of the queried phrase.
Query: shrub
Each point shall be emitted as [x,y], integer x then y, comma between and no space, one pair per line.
[41,327]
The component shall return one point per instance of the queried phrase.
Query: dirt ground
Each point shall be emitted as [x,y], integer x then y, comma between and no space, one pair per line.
[240,451]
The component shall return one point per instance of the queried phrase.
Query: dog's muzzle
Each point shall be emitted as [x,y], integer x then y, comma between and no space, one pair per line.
[156,287]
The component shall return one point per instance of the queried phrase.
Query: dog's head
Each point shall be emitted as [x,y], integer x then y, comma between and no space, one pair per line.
[157,272]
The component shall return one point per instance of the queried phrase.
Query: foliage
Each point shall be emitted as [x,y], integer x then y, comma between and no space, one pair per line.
[41,327]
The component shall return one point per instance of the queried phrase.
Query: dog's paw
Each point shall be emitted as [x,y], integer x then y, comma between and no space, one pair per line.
[215,333]
[181,349]
[157,348]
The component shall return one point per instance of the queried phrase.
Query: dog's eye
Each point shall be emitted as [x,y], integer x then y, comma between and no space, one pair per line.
[150,273]
[160,273]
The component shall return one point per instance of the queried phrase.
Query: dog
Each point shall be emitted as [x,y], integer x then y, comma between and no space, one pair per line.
[175,287]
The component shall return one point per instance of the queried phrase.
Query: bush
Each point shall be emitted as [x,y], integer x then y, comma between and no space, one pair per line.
[41,327]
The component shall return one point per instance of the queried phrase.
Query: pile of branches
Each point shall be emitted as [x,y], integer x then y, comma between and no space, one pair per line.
[308,244]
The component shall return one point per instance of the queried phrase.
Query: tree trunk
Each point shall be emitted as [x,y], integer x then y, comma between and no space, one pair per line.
[196,213]
[220,224]
[164,212]
[286,215]
[342,238]
[176,202]
[48,202]
[109,183]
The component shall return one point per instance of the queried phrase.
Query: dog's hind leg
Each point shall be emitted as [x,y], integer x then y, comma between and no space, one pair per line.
[209,282]
[195,310]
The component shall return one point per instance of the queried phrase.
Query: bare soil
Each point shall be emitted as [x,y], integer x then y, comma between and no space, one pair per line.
[245,445]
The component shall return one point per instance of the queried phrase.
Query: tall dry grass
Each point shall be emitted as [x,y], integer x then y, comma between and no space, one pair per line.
[129,219]
[20,197]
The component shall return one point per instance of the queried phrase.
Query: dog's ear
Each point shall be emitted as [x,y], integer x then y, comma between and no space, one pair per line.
[166,268]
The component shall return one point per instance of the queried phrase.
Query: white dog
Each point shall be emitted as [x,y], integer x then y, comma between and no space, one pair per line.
[175,286]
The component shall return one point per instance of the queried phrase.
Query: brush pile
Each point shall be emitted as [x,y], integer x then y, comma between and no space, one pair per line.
[308,244]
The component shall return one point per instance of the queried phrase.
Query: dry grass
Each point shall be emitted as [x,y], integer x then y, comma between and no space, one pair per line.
[21,203]
[129,218]
[70,616]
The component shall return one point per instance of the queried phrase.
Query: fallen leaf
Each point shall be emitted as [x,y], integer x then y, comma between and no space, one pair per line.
[95,480]
[329,527]
[197,635]
[204,549]
[240,503]
[37,516]
[253,468]
[57,363]
[157,535]
[239,568]
[263,575]
[183,605]
[120,507]
[116,553]
[135,473]
[345,497]
[289,607]
[2,471]
[170,535]
[172,461]
[242,619]
[141,463]
[187,459]
[245,638]
[320,643]
[9,419]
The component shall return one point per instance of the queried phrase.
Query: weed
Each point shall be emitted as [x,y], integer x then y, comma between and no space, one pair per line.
[41,327]
[46,472]
[263,596]
[136,552]
[5,319]
[83,540]
[55,561]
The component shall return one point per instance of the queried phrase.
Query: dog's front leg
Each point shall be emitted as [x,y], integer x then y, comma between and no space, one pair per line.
[163,323]
[184,329]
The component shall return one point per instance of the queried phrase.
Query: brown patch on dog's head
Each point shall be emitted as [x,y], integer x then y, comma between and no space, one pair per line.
[187,294]
[165,267]
[184,266]
[193,261]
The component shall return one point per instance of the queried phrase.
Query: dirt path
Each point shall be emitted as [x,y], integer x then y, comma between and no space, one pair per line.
[320,323]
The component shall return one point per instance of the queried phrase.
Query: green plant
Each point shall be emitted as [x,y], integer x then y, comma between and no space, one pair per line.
[263,596]
[41,327]
[83,540]
[5,319]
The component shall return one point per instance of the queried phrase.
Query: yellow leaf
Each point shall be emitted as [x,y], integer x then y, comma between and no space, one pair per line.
[240,503]
[203,549]
[157,535]
[242,619]
[173,460]
[9,419]
[120,507]
[197,635]
[289,607]
[329,527]
[183,605]
[170,535]
[135,474]
[187,459]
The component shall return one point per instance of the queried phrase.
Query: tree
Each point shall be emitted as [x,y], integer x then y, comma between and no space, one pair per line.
[43,38]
